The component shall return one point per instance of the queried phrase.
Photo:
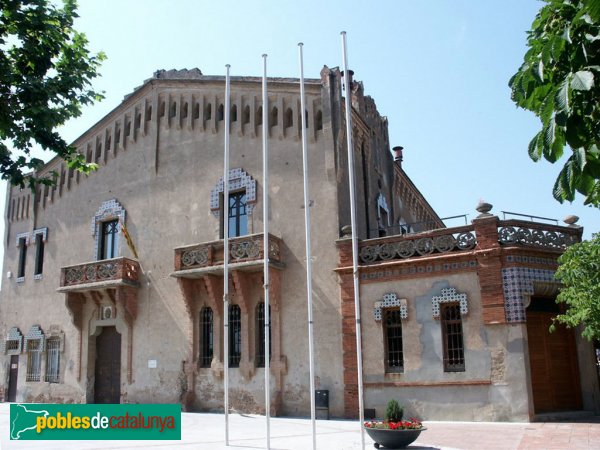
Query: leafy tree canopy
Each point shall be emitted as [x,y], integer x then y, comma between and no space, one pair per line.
[560,82]
[579,271]
[45,79]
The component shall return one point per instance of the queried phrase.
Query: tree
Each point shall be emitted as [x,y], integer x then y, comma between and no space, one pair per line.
[579,272]
[45,79]
[559,81]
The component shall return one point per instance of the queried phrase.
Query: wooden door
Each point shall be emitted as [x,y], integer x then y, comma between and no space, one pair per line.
[107,384]
[553,361]
[12,378]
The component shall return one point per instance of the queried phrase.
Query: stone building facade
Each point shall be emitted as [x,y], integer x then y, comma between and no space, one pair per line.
[86,317]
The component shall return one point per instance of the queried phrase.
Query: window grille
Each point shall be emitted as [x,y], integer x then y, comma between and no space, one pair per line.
[34,360]
[235,336]
[206,333]
[393,331]
[12,345]
[53,360]
[108,239]
[260,334]
[452,334]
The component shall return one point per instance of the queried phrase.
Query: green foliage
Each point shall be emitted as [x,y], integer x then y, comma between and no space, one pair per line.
[45,79]
[393,412]
[579,272]
[559,81]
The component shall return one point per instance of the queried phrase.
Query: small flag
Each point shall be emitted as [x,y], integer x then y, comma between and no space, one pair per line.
[129,241]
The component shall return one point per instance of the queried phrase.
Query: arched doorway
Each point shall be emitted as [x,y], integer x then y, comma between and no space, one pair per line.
[107,381]
[553,360]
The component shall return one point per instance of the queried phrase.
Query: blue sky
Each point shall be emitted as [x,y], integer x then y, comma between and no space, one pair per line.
[437,69]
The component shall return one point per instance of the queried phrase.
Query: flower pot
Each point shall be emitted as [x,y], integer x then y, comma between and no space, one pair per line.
[393,438]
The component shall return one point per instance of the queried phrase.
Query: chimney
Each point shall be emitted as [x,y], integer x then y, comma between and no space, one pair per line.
[398,154]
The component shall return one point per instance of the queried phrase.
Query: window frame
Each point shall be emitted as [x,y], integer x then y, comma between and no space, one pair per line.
[39,255]
[260,335]
[236,230]
[388,358]
[452,338]
[102,241]
[34,360]
[235,335]
[22,258]
[206,331]
[53,350]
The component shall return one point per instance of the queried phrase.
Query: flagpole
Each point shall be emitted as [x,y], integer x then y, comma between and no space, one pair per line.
[265,131]
[348,105]
[225,218]
[311,356]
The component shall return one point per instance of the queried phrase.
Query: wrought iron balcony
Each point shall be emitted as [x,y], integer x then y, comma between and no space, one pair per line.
[95,275]
[244,251]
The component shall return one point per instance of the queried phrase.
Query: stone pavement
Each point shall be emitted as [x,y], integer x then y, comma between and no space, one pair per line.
[206,432]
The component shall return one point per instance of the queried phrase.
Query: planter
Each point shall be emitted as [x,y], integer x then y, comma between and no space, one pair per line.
[393,438]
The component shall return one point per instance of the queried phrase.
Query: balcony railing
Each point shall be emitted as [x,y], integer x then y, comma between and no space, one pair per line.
[541,235]
[122,269]
[444,240]
[241,249]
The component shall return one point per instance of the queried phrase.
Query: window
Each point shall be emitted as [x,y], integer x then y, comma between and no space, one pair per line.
[260,334]
[235,336]
[34,353]
[39,254]
[393,341]
[109,236]
[22,257]
[53,360]
[238,215]
[12,345]
[206,337]
[452,337]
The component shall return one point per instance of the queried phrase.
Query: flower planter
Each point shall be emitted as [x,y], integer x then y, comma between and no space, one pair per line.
[390,439]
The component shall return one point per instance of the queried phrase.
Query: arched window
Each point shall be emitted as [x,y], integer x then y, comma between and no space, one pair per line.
[394,361]
[260,334]
[319,120]
[234,113]
[273,117]
[288,118]
[246,116]
[220,113]
[208,111]
[161,109]
[206,337]
[259,114]
[138,121]
[196,114]
[149,113]
[184,113]
[235,335]
[173,110]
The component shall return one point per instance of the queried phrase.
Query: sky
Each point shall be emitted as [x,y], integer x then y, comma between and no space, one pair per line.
[437,69]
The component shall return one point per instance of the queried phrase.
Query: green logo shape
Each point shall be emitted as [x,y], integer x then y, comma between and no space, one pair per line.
[38,421]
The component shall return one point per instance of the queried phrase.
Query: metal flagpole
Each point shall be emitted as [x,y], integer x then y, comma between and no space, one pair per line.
[348,105]
[311,356]
[225,218]
[265,131]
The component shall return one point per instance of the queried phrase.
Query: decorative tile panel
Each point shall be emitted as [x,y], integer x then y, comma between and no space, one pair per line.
[238,179]
[449,295]
[43,232]
[22,235]
[390,300]
[14,335]
[518,282]
[35,333]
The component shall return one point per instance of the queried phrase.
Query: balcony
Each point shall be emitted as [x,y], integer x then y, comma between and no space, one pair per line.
[97,275]
[245,253]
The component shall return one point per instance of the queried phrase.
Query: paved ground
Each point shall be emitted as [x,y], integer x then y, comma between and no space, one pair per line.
[206,432]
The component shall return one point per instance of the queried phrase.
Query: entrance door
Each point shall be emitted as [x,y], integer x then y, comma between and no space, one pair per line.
[107,384]
[553,360]
[12,378]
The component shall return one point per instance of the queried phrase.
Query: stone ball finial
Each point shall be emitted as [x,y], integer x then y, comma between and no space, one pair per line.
[346,231]
[571,220]
[483,209]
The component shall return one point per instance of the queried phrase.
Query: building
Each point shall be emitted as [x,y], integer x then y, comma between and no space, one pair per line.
[445,329]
